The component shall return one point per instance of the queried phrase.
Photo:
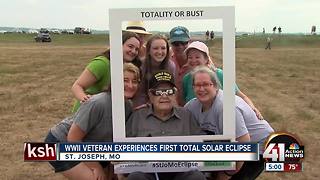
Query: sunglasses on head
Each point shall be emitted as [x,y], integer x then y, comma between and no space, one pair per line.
[178,43]
[161,92]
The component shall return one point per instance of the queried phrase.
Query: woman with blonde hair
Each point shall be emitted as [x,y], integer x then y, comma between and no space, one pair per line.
[92,122]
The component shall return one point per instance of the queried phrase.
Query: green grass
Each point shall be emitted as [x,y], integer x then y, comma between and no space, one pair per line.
[259,41]
[58,39]
[253,41]
[35,82]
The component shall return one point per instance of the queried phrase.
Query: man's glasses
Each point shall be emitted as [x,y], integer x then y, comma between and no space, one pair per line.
[178,43]
[161,92]
[204,85]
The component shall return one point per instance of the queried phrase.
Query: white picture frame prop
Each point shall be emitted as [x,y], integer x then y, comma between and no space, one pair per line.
[226,14]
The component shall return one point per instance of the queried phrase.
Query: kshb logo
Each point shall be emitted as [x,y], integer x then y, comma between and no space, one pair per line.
[39,151]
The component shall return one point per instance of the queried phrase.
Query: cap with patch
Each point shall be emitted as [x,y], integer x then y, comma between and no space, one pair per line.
[161,77]
[179,33]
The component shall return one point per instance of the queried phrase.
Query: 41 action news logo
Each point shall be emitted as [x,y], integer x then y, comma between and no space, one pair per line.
[283,153]
[283,147]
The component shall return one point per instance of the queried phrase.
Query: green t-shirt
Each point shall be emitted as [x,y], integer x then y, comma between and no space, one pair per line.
[188,92]
[100,68]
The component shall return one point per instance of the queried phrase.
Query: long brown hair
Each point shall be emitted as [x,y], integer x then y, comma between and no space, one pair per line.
[148,61]
[125,36]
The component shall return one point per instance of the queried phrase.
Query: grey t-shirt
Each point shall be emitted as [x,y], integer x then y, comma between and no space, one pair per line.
[143,123]
[94,117]
[246,119]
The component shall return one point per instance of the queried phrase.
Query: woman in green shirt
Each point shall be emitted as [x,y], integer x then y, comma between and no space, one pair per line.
[96,76]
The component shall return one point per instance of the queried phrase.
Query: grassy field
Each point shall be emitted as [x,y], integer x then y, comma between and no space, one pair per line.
[58,39]
[35,82]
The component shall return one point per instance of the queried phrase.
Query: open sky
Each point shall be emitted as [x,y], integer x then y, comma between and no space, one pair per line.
[251,15]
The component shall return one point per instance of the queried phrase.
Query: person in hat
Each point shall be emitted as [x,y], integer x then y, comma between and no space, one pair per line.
[92,122]
[179,40]
[138,27]
[96,76]
[207,108]
[162,118]
[198,55]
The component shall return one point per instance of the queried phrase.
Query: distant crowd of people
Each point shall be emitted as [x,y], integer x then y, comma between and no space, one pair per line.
[274,30]
[172,87]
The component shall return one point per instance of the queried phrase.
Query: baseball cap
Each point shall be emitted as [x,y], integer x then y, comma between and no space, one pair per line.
[199,46]
[161,77]
[179,33]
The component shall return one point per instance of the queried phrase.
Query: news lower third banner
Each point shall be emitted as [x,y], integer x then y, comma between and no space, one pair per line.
[141,151]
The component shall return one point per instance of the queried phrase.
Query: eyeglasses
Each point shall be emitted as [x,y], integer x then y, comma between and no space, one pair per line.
[161,92]
[204,85]
[178,43]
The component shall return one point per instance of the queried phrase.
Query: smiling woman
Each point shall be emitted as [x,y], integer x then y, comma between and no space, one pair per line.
[92,122]
[96,76]
[157,58]
[130,48]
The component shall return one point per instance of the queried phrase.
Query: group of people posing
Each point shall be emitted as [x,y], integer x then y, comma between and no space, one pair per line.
[171,88]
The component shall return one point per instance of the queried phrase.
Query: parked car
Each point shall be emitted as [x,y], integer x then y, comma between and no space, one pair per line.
[81,30]
[78,30]
[33,31]
[55,31]
[43,36]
